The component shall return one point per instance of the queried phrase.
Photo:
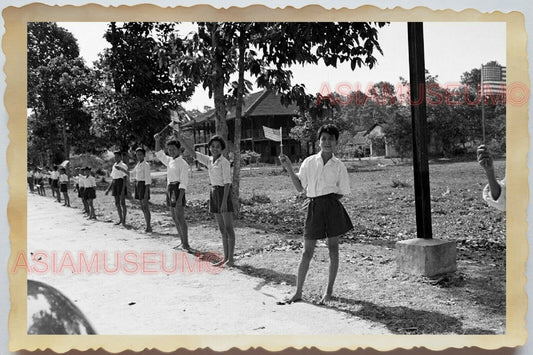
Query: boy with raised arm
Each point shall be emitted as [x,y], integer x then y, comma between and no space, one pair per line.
[119,174]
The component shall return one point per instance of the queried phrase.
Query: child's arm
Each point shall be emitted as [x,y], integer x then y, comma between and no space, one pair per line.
[286,163]
[485,160]
[109,187]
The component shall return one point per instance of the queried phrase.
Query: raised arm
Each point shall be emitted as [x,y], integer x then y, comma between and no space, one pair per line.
[485,160]
[286,163]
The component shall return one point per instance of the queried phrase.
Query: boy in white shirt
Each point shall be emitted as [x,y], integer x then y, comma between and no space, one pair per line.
[119,174]
[54,183]
[63,185]
[177,180]
[89,191]
[324,179]
[143,180]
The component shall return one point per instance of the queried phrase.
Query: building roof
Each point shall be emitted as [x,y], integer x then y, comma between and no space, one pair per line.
[261,103]
[360,138]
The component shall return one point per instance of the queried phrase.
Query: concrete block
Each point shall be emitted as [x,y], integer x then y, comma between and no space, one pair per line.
[427,257]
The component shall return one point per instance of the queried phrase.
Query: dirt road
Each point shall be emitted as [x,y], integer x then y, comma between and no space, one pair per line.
[127,282]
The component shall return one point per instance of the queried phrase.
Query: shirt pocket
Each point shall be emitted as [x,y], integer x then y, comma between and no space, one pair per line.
[331,176]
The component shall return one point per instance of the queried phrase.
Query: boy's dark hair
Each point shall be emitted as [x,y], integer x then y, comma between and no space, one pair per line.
[55,167]
[219,139]
[175,143]
[117,152]
[330,129]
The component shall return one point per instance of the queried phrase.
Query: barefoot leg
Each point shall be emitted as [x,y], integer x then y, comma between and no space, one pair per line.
[333,247]
[309,248]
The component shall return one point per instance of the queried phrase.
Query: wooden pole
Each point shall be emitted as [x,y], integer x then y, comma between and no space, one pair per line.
[419,123]
[482,105]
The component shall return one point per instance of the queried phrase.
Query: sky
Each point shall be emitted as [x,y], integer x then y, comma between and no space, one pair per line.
[451,48]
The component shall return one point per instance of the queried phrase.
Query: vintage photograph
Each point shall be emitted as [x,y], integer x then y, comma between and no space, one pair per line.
[265,178]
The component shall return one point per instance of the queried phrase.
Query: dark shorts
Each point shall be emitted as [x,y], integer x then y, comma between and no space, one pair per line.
[39,181]
[326,218]
[80,192]
[173,192]
[63,188]
[50,181]
[117,187]
[55,183]
[89,193]
[215,199]
[141,189]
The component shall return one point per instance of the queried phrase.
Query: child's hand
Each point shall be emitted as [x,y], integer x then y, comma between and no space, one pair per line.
[156,136]
[484,158]
[285,161]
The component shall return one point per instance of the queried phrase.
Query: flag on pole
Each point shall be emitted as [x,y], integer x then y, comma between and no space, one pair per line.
[272,134]
[493,79]
[177,117]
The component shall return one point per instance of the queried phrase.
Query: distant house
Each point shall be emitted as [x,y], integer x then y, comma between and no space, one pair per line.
[361,144]
[260,109]
[379,146]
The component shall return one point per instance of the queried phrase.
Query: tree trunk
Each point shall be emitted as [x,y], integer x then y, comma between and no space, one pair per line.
[221,125]
[238,114]
[66,148]
[116,82]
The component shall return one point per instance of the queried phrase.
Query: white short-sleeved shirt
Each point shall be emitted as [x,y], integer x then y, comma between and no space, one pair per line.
[500,202]
[141,172]
[89,181]
[177,169]
[63,178]
[54,175]
[219,171]
[117,174]
[81,180]
[318,179]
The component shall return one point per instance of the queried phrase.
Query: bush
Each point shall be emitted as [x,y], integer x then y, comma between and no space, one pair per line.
[397,183]
[249,157]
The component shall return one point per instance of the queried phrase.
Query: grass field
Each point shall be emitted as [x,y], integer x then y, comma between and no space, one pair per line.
[382,208]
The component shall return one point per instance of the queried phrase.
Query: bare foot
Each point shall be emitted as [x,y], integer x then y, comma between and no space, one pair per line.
[148,230]
[326,298]
[117,223]
[220,263]
[297,297]
[230,263]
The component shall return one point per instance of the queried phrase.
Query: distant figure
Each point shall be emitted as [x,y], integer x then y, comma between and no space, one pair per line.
[119,174]
[81,191]
[89,191]
[494,192]
[39,183]
[324,179]
[220,203]
[63,185]
[143,180]
[177,181]
[30,180]
[54,183]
